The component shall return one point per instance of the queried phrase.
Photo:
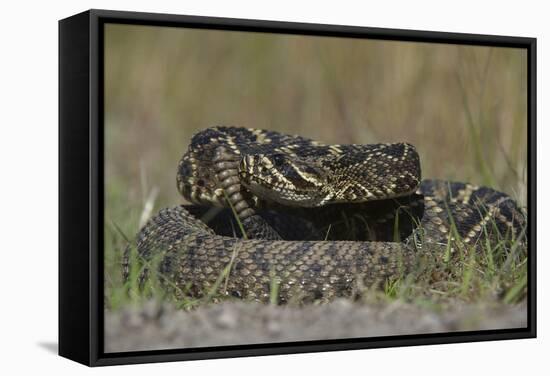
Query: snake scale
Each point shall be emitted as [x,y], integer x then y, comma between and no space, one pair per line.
[316,220]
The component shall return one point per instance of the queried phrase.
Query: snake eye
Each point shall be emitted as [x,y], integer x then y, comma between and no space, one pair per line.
[278,160]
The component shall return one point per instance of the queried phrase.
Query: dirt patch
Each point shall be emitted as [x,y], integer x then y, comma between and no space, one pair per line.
[154,326]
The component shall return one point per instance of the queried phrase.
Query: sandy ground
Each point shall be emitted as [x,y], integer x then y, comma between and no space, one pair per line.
[155,326]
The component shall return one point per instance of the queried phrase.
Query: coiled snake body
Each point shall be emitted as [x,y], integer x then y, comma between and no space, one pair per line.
[315,220]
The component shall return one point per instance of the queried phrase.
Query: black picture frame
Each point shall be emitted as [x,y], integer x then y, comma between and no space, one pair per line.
[81,186]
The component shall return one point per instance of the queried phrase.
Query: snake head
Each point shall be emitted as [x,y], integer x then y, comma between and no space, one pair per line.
[285,179]
[374,172]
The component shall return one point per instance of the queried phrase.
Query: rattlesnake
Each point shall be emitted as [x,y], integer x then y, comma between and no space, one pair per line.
[313,220]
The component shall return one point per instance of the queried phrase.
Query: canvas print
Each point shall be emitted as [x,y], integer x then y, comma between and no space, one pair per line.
[273,188]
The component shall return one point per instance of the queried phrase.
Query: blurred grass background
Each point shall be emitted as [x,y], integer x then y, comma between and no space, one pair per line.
[463,107]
